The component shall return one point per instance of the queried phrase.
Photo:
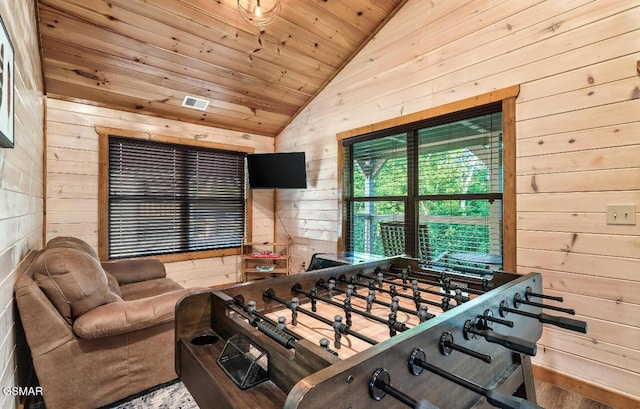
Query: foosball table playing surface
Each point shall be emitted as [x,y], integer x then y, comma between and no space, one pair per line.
[385,334]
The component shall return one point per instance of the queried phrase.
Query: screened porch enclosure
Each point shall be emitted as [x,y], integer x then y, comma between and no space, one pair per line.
[448,175]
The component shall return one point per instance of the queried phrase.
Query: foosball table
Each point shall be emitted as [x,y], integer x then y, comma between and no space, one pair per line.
[384,334]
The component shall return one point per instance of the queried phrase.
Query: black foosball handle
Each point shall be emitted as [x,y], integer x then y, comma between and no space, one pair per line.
[563,322]
[513,343]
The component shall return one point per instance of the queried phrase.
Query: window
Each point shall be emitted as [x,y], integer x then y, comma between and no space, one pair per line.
[433,189]
[166,198]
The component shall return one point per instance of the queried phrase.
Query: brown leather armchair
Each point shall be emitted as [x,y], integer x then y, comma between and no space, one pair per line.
[98,332]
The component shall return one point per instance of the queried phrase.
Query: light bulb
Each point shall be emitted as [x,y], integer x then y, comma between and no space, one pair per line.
[252,12]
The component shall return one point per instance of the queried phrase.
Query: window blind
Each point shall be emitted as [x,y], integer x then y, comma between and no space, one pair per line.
[377,189]
[460,191]
[167,198]
[432,191]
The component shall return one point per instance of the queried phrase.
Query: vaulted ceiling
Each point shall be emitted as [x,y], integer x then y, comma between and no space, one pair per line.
[147,55]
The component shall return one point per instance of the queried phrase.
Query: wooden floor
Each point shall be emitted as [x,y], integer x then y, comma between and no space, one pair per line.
[552,397]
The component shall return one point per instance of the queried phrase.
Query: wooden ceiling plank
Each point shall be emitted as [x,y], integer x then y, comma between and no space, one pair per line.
[398,7]
[154,95]
[169,39]
[143,57]
[216,30]
[387,6]
[84,35]
[227,44]
[370,13]
[284,33]
[187,84]
[120,102]
[355,23]
[326,26]
[146,92]
[358,14]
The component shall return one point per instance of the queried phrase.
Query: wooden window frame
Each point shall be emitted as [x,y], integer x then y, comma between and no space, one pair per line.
[507,98]
[103,190]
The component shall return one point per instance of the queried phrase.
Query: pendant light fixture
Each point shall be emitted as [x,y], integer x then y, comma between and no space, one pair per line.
[259,13]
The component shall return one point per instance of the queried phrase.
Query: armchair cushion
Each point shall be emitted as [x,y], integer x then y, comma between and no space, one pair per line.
[112,282]
[135,270]
[73,280]
[127,316]
[72,242]
[148,288]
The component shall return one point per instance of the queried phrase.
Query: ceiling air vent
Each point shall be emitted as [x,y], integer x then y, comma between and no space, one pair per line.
[195,103]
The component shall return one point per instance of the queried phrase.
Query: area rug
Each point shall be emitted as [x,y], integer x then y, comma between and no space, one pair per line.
[172,395]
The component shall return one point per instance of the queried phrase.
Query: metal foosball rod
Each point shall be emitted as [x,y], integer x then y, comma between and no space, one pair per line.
[479,327]
[443,305]
[269,294]
[250,308]
[528,293]
[378,277]
[346,306]
[267,328]
[361,274]
[517,300]
[380,386]
[417,362]
[446,285]
[488,316]
[408,270]
[320,283]
[562,322]
[447,344]
[439,275]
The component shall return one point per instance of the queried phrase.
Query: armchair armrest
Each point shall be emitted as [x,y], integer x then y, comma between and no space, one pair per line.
[135,270]
[127,316]
[45,327]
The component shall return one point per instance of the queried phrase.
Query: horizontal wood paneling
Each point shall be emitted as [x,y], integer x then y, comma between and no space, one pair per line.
[572,222]
[595,138]
[605,158]
[588,181]
[597,244]
[622,380]
[588,202]
[585,347]
[21,182]
[617,290]
[72,178]
[577,148]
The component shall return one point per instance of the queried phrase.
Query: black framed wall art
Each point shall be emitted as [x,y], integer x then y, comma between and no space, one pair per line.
[7,100]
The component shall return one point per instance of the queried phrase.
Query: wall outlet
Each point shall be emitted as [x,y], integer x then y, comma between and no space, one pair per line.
[621,214]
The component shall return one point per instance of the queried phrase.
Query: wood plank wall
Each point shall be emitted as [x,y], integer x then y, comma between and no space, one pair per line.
[72,179]
[21,178]
[578,149]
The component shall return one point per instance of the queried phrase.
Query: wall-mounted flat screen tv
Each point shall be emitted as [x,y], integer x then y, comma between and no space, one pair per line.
[277,171]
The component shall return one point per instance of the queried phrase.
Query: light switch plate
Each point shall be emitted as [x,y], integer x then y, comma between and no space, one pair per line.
[621,214]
